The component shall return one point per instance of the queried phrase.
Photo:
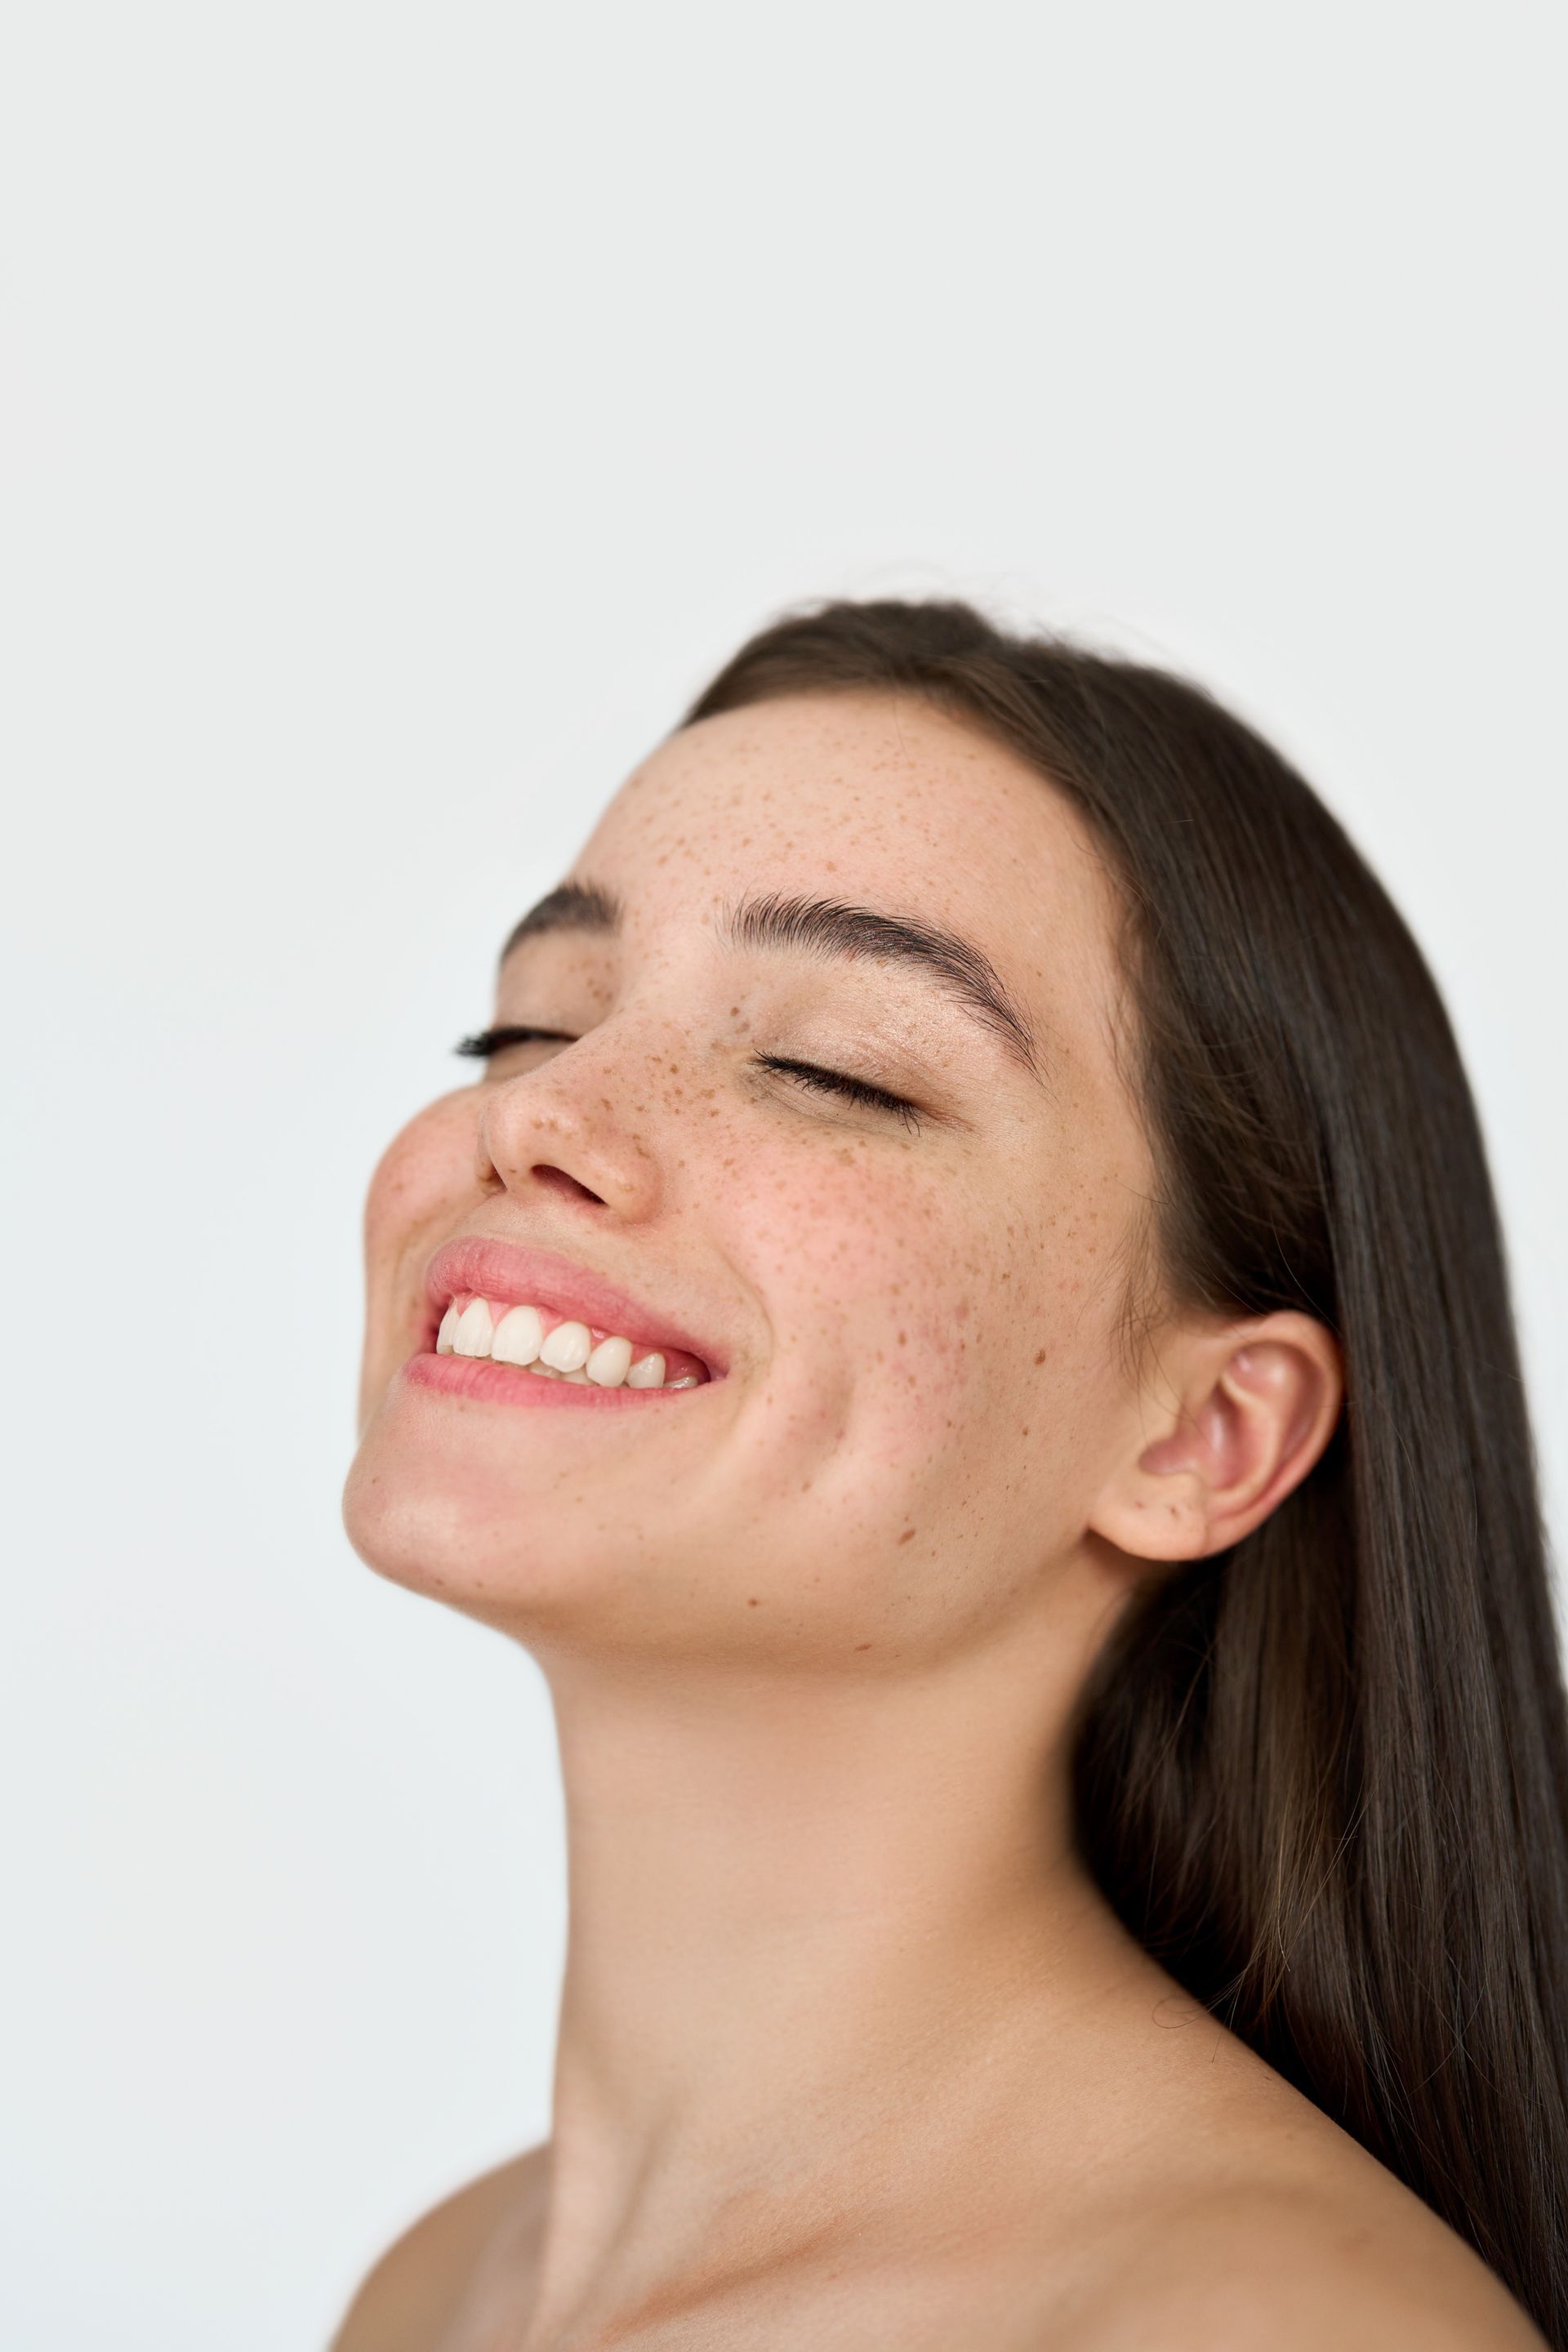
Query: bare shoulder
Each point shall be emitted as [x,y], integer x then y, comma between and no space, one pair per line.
[1232,2213]
[1328,2261]
[412,2294]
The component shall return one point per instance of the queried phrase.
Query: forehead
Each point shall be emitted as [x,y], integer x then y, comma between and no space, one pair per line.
[875,798]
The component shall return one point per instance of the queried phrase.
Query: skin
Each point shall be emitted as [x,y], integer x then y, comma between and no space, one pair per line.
[851,2051]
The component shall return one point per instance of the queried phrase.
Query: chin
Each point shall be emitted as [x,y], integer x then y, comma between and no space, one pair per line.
[462,1533]
[543,1559]
[520,1521]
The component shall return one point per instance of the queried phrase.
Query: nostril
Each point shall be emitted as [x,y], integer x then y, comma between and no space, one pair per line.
[560,1181]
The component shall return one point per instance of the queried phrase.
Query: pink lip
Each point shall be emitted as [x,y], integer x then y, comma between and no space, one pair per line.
[475,1377]
[506,1270]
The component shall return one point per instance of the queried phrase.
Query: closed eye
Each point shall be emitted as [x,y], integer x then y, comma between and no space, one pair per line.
[487,1042]
[835,1082]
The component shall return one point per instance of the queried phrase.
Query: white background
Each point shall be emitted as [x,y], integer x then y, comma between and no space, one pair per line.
[405,409]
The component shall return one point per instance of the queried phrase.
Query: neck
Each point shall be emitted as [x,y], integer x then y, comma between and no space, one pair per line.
[801,1911]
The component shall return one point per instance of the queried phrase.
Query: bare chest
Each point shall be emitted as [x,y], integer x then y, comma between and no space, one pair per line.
[1007,2298]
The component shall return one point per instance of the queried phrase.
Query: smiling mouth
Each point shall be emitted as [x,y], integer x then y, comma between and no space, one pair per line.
[537,1342]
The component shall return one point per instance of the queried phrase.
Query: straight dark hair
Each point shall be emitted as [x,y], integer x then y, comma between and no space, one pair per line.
[1321,1776]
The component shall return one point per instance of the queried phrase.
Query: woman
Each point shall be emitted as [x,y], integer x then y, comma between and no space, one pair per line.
[962,1325]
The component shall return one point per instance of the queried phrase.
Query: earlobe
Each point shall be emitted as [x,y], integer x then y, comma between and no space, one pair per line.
[1256,1404]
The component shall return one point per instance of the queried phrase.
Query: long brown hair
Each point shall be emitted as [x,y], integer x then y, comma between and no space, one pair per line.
[1323,1776]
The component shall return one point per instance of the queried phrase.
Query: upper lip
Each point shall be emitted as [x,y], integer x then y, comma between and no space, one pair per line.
[491,1268]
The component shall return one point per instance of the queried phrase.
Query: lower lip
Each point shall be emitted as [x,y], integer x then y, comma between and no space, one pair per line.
[490,1383]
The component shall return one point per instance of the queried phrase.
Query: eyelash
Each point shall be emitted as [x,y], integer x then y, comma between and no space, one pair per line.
[487,1042]
[835,1082]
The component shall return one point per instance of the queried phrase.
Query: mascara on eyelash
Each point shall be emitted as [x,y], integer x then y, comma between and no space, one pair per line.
[858,1091]
[485,1041]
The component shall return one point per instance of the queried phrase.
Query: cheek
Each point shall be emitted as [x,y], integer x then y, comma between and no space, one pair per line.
[985,1339]
[869,1269]
[423,1174]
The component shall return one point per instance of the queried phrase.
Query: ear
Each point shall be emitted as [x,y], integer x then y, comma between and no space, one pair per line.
[1240,1415]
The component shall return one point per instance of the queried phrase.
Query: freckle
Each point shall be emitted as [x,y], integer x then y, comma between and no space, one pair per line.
[904,1339]
[907,1535]
[753,1604]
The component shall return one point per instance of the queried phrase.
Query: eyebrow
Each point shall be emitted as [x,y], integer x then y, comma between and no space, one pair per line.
[572,907]
[827,929]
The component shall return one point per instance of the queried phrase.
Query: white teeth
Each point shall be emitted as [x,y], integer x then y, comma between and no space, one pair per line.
[608,1364]
[475,1330]
[519,1336]
[568,1347]
[516,1335]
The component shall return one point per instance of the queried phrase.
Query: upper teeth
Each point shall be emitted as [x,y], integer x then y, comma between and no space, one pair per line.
[518,1335]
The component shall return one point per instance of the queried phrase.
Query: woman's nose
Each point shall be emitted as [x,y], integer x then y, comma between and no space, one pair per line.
[569,1131]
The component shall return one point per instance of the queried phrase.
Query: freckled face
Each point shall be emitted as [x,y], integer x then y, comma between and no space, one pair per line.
[924,1393]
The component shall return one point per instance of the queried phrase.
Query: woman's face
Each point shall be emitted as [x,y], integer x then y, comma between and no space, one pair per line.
[913,1322]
